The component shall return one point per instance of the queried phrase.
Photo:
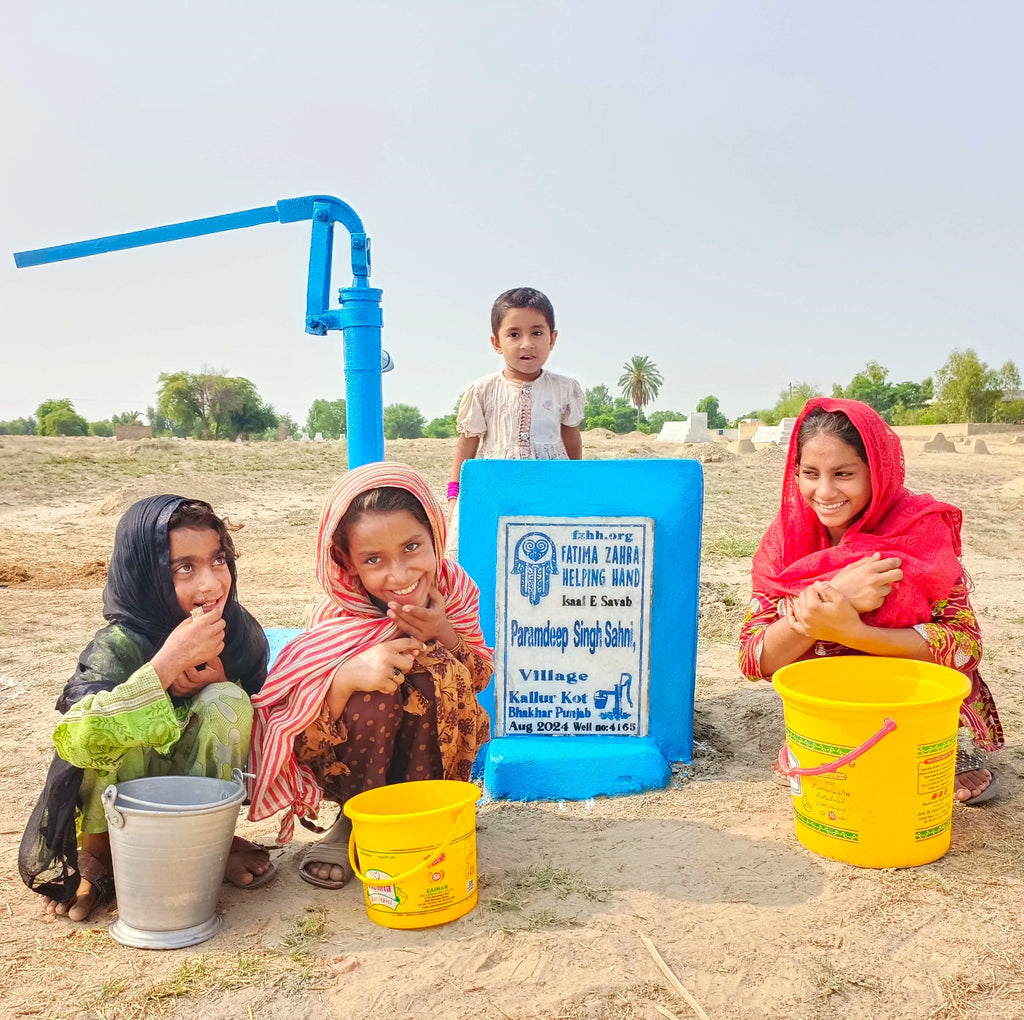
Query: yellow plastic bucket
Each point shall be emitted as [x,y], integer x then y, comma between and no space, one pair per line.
[416,849]
[871,753]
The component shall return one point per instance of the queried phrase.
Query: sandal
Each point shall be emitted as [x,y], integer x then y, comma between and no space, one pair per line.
[325,853]
[240,845]
[971,761]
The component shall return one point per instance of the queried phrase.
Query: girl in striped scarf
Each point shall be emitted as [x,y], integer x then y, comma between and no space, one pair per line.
[381,687]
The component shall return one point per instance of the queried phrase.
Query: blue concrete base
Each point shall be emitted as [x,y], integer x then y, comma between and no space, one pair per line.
[277,638]
[573,768]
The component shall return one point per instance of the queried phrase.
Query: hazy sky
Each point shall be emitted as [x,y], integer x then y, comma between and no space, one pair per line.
[750,193]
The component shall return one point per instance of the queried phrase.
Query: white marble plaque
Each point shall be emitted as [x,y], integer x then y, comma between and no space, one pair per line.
[573,625]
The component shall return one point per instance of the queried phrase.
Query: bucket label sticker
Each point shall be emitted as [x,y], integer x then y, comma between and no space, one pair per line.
[573,615]
[935,774]
[825,803]
[936,763]
[440,883]
[381,895]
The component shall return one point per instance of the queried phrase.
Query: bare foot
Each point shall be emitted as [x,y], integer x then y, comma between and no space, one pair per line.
[334,847]
[247,863]
[79,908]
[969,784]
[94,865]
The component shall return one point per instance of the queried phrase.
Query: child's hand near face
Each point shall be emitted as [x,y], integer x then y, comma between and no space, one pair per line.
[191,643]
[428,623]
[380,668]
[194,679]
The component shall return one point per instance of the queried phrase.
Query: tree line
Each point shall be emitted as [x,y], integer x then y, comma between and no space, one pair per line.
[209,405]
[964,389]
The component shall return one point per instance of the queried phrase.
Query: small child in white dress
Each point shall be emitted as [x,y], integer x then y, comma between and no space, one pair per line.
[521,412]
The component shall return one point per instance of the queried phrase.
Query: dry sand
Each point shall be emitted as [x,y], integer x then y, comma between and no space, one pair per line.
[750,922]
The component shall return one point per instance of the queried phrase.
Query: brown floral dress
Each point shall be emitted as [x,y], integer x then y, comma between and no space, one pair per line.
[430,728]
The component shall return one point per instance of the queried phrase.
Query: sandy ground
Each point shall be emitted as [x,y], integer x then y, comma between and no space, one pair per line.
[753,924]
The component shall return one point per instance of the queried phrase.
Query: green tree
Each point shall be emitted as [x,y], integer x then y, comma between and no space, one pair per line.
[402,421]
[598,401]
[968,390]
[18,427]
[440,428]
[59,418]
[658,418]
[624,416]
[101,428]
[871,386]
[791,401]
[328,418]
[163,426]
[709,406]
[251,418]
[208,405]
[640,382]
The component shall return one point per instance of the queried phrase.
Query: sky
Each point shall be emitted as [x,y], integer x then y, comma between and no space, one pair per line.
[751,194]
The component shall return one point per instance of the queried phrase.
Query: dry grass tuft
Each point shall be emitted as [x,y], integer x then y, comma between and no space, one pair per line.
[310,927]
[720,612]
[834,980]
[520,885]
[959,992]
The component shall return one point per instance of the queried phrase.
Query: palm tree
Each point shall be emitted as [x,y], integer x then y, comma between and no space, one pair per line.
[640,382]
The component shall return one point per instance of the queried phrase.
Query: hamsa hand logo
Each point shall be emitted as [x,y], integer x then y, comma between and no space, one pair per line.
[535,561]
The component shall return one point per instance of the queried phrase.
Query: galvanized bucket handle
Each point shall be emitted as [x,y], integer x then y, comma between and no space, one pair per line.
[833,766]
[383,882]
[116,819]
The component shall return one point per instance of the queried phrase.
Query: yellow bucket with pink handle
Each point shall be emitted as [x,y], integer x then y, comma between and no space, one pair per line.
[871,754]
[413,846]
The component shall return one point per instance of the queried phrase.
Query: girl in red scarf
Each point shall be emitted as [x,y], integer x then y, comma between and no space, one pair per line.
[381,687]
[857,564]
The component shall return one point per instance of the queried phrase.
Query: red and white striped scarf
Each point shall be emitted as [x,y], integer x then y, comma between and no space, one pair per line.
[343,624]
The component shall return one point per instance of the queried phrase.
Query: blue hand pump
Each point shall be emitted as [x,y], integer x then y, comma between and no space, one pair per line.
[358,315]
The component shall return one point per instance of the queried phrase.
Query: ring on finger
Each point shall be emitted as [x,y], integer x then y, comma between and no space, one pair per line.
[396,672]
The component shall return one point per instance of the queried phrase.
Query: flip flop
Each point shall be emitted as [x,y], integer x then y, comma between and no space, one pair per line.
[268,876]
[989,793]
[967,761]
[325,853]
[238,845]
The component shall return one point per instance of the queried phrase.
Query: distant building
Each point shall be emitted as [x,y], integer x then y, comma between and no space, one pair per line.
[123,432]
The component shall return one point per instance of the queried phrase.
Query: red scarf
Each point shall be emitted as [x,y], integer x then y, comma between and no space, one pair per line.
[921,531]
[344,623]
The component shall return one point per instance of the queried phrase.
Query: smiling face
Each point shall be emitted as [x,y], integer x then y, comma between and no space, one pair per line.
[199,568]
[524,340]
[393,555]
[834,482]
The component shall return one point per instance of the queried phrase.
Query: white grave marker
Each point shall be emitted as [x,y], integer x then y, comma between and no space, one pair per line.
[698,431]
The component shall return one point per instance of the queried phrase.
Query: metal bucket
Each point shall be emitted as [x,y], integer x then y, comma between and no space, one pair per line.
[170,837]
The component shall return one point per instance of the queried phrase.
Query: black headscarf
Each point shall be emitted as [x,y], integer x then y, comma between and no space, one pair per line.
[139,601]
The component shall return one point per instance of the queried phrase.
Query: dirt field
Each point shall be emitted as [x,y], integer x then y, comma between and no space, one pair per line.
[749,921]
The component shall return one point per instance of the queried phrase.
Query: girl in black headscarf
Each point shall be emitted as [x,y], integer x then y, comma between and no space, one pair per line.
[152,695]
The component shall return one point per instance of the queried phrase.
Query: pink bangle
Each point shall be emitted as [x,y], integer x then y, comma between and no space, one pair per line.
[453,490]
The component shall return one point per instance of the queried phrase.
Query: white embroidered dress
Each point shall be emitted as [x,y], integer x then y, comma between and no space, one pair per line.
[520,420]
